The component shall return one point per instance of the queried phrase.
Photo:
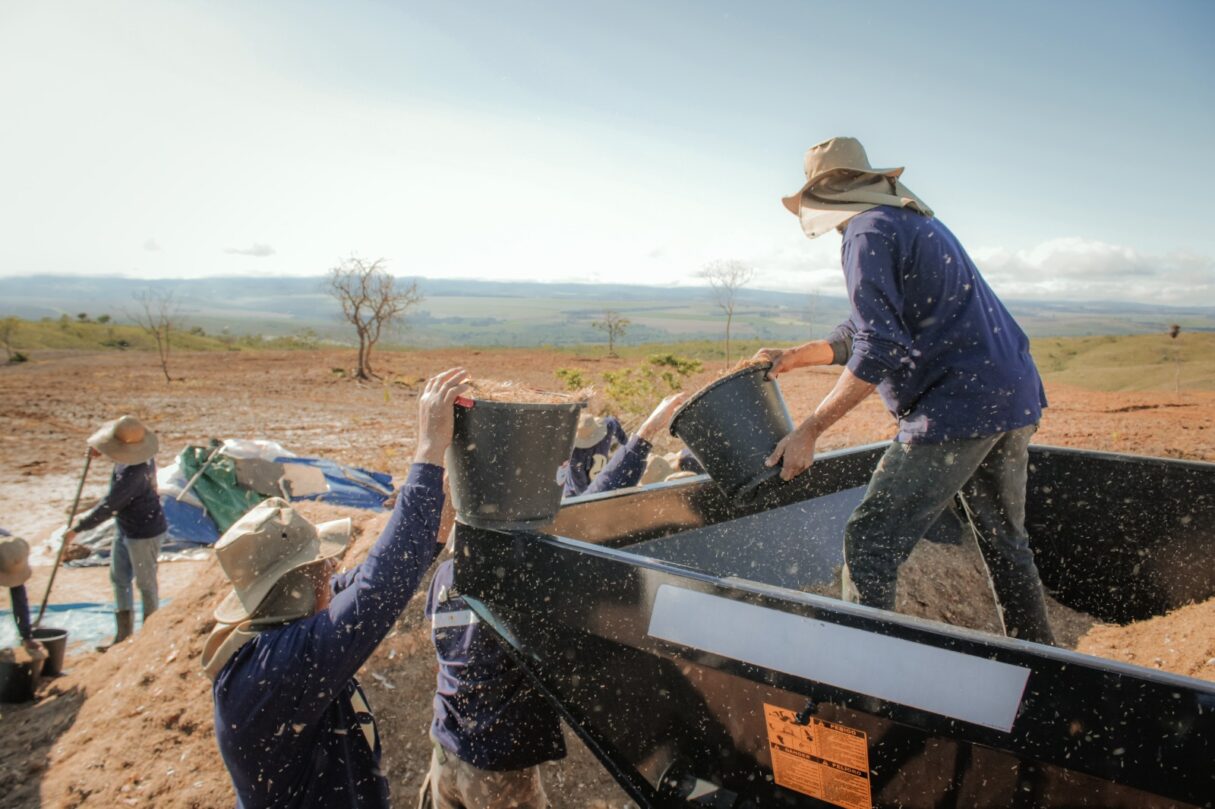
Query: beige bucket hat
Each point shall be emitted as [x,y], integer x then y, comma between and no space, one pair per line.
[125,440]
[14,562]
[266,544]
[591,430]
[840,183]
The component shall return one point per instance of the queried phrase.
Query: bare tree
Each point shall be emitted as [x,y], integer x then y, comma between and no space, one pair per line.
[615,326]
[157,315]
[371,301]
[726,278]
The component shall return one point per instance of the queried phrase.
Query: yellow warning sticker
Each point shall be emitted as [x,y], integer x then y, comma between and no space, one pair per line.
[820,759]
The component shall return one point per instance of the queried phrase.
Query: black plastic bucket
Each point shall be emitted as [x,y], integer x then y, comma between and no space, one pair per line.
[506,461]
[55,643]
[732,426]
[18,681]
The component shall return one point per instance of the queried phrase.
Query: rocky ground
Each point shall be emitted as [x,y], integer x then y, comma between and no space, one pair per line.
[134,728]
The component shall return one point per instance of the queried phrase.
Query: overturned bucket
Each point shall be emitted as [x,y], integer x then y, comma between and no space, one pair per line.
[506,460]
[731,426]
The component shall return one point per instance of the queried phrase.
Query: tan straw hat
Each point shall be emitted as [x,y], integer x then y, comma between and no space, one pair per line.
[591,430]
[14,562]
[840,183]
[832,157]
[265,545]
[125,440]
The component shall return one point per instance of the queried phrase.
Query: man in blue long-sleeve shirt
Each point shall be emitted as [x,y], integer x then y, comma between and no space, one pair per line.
[592,470]
[292,724]
[951,365]
[134,504]
[492,728]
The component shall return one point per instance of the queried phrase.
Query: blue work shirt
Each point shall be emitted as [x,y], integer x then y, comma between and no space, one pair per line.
[284,721]
[487,711]
[948,359]
[132,501]
[586,463]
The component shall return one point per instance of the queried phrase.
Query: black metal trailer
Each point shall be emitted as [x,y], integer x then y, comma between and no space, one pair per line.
[671,629]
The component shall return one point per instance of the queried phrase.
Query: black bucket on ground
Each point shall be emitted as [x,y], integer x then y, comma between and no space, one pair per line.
[18,681]
[506,461]
[55,643]
[732,426]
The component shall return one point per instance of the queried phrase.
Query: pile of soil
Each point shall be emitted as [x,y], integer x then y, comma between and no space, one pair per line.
[514,393]
[1182,642]
[949,584]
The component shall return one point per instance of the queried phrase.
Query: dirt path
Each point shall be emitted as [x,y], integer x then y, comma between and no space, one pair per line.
[134,729]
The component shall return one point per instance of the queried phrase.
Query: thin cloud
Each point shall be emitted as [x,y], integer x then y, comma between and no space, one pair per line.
[1074,269]
[256,250]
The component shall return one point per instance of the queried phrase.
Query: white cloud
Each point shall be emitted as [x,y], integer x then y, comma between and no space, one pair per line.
[1075,269]
[151,246]
[255,250]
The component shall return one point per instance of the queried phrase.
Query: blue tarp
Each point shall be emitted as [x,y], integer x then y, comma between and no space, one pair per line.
[85,622]
[348,485]
[189,525]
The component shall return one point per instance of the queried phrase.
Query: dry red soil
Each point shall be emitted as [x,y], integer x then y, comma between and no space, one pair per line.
[133,727]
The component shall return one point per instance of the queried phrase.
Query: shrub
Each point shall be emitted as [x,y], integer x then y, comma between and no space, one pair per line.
[572,378]
[635,391]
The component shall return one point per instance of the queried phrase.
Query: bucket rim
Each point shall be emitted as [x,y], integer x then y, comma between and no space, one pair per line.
[483,403]
[709,388]
[49,632]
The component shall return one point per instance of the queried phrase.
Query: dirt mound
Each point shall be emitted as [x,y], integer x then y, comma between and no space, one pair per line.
[1182,642]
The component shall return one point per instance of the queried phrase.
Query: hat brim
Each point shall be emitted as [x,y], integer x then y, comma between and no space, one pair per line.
[236,607]
[108,445]
[793,203]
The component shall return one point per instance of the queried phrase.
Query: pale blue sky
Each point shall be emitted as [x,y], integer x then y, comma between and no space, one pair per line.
[1065,143]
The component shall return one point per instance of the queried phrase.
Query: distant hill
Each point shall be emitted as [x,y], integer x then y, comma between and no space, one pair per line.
[469,312]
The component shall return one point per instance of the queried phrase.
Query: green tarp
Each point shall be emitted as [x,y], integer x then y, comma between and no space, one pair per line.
[225,500]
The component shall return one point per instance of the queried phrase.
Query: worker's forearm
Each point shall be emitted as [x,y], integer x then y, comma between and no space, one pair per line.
[815,352]
[849,391]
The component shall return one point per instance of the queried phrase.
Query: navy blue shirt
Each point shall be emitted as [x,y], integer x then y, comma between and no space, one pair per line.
[284,721]
[948,359]
[587,462]
[487,712]
[132,500]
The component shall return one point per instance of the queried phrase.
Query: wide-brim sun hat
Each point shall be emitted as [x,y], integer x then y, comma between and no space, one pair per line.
[125,440]
[14,561]
[591,430]
[266,544]
[833,157]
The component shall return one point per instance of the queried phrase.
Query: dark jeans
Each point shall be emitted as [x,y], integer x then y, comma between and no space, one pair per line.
[912,486]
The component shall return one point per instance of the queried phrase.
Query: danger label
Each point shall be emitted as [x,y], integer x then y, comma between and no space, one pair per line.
[820,759]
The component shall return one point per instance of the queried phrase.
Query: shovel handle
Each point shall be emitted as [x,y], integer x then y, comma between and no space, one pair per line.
[88,459]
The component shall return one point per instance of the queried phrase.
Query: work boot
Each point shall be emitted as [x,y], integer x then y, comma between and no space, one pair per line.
[126,626]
